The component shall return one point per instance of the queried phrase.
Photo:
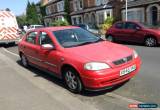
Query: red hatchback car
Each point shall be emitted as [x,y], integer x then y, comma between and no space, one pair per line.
[80,58]
[133,32]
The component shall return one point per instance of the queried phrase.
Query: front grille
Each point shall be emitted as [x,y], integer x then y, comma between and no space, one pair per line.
[123,60]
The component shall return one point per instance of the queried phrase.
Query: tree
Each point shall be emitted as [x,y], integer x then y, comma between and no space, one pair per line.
[107,24]
[31,14]
[67,10]
[21,20]
[60,23]
[7,9]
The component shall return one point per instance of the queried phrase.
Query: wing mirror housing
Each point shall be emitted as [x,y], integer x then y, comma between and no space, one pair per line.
[48,47]
[138,28]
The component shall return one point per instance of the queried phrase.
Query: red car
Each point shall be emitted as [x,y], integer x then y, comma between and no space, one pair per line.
[133,32]
[80,58]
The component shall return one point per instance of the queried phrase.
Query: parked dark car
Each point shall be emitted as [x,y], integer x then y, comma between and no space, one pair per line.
[130,31]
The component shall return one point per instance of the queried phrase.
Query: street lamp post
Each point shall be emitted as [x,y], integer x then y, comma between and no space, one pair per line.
[126,10]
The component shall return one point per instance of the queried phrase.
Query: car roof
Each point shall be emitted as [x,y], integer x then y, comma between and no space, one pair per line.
[126,21]
[36,25]
[57,28]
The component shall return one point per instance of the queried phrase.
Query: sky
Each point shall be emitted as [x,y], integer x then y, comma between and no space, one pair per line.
[18,7]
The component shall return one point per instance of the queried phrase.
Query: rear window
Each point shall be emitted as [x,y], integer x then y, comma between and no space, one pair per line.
[119,26]
[31,38]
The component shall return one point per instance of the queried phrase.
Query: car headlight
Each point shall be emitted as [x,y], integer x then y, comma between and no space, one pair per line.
[96,66]
[135,54]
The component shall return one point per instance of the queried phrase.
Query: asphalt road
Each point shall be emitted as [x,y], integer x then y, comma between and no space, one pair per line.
[144,87]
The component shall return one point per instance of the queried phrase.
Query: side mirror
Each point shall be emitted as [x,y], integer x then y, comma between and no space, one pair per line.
[48,47]
[138,28]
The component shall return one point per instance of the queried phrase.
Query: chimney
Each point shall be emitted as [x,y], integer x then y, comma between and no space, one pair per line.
[44,2]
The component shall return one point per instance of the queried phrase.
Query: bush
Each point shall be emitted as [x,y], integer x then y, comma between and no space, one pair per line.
[107,24]
[60,23]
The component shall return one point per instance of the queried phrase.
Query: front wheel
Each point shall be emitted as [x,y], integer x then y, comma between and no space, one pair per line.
[72,80]
[110,38]
[150,42]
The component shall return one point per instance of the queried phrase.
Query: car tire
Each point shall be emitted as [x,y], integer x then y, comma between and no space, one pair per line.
[150,42]
[110,38]
[72,80]
[24,60]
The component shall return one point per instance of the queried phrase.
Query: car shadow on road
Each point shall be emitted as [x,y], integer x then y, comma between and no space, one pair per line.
[8,45]
[102,92]
[59,82]
[45,75]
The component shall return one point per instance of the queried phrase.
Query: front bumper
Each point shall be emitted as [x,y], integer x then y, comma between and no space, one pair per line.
[110,77]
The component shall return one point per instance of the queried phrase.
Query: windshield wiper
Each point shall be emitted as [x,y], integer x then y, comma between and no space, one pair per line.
[99,40]
[85,43]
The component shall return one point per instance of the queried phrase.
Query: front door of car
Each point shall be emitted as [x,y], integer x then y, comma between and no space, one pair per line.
[48,56]
[133,32]
[30,47]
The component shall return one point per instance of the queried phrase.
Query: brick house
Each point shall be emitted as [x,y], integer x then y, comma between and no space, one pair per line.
[54,11]
[92,12]
[144,11]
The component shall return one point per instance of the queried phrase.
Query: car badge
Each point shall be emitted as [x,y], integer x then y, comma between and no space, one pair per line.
[125,60]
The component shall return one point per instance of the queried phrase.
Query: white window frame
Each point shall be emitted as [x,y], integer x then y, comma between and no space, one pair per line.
[60,18]
[76,5]
[104,12]
[77,17]
[60,6]
[134,10]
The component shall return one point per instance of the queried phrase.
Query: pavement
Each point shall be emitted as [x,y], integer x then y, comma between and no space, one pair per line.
[48,92]
[20,91]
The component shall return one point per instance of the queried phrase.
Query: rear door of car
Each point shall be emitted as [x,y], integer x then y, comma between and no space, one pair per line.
[30,46]
[117,31]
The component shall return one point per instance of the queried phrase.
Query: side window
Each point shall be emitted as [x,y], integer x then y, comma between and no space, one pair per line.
[119,26]
[44,38]
[131,26]
[31,37]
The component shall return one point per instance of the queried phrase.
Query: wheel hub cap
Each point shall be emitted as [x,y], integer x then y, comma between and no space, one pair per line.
[71,80]
[150,42]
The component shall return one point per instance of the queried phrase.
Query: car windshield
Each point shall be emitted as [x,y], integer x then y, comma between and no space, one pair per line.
[144,25]
[75,37]
[83,26]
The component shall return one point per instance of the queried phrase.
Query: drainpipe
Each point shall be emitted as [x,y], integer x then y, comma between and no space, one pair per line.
[126,10]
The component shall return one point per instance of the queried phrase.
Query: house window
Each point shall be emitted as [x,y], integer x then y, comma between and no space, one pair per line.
[100,16]
[78,5]
[134,14]
[101,2]
[48,10]
[76,20]
[61,18]
[98,2]
[60,6]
